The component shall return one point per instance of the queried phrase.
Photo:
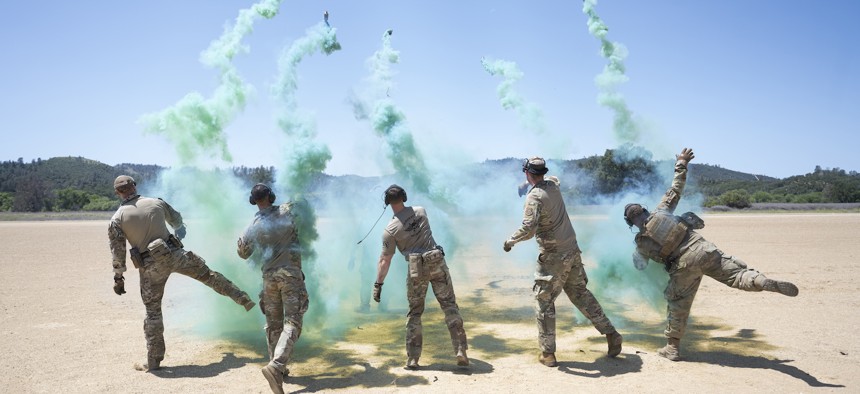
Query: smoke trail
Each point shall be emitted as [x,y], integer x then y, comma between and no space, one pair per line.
[195,125]
[531,117]
[305,159]
[390,123]
[625,128]
[208,198]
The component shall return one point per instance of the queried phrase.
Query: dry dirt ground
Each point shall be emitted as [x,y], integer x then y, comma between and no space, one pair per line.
[63,329]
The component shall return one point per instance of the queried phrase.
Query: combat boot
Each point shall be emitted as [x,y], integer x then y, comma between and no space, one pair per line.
[412,364]
[275,378]
[781,287]
[152,364]
[672,350]
[614,340]
[548,359]
[462,360]
[245,301]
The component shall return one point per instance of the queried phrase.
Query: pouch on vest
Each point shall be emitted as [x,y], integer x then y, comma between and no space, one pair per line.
[433,260]
[159,250]
[415,265]
[693,220]
[136,258]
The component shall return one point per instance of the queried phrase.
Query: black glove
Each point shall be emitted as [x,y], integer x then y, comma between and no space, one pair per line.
[180,232]
[118,284]
[377,291]
[507,247]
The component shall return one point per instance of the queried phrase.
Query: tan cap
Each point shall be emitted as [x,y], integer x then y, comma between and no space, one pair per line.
[535,165]
[123,180]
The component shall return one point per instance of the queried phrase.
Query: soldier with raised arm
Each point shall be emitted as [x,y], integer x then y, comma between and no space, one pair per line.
[687,257]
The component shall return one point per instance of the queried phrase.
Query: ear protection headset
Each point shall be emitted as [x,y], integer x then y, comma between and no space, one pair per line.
[261,188]
[394,192]
[631,212]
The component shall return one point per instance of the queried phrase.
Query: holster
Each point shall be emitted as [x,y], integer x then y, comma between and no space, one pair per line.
[136,258]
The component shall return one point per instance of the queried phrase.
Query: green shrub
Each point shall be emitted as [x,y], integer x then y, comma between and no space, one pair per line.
[99,203]
[738,198]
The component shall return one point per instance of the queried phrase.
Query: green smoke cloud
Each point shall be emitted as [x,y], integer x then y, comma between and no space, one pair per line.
[389,123]
[195,124]
[305,159]
[531,117]
[208,198]
[625,128]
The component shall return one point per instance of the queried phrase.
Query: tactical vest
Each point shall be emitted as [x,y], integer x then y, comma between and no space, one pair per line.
[666,230]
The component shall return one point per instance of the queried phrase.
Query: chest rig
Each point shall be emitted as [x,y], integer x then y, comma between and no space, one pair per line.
[665,230]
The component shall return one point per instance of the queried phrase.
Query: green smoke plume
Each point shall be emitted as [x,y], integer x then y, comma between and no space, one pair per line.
[305,159]
[208,198]
[195,125]
[625,128]
[531,117]
[389,122]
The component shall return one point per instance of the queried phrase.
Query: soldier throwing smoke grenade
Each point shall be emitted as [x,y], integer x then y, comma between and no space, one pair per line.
[273,242]
[670,240]
[409,231]
[559,265]
[157,253]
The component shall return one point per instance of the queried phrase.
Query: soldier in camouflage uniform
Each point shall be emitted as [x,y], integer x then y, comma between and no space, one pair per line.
[559,266]
[671,241]
[409,231]
[273,243]
[156,254]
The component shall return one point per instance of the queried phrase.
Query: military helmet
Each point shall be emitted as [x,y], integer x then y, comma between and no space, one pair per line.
[123,180]
[632,211]
[535,165]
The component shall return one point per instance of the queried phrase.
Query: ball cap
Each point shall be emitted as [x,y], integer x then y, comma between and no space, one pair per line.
[535,165]
[123,180]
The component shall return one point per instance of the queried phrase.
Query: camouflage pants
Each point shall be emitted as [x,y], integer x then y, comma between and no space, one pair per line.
[284,300]
[416,291]
[702,258]
[557,272]
[153,277]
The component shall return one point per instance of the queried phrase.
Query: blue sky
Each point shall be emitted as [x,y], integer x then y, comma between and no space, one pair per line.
[766,87]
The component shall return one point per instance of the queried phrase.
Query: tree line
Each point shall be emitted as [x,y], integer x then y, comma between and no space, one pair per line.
[80,184]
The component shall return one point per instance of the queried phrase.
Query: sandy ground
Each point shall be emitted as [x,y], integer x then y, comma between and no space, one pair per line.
[63,329]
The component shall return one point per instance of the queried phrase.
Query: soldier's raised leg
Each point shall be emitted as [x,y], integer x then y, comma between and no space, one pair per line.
[194,266]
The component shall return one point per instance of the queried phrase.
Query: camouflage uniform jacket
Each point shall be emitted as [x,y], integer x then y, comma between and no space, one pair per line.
[273,240]
[409,230]
[140,220]
[645,246]
[545,217]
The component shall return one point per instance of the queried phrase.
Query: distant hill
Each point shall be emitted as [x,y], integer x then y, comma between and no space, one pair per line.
[75,183]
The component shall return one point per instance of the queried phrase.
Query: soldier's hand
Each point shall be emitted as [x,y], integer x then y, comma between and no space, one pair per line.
[180,232]
[686,155]
[639,261]
[507,246]
[377,291]
[118,284]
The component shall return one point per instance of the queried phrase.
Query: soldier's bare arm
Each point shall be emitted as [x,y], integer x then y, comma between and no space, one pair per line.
[673,195]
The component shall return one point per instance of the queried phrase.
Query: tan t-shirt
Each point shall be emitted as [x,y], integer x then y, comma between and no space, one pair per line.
[140,220]
[409,231]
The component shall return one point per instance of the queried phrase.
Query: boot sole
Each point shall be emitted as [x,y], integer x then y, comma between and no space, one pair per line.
[273,380]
